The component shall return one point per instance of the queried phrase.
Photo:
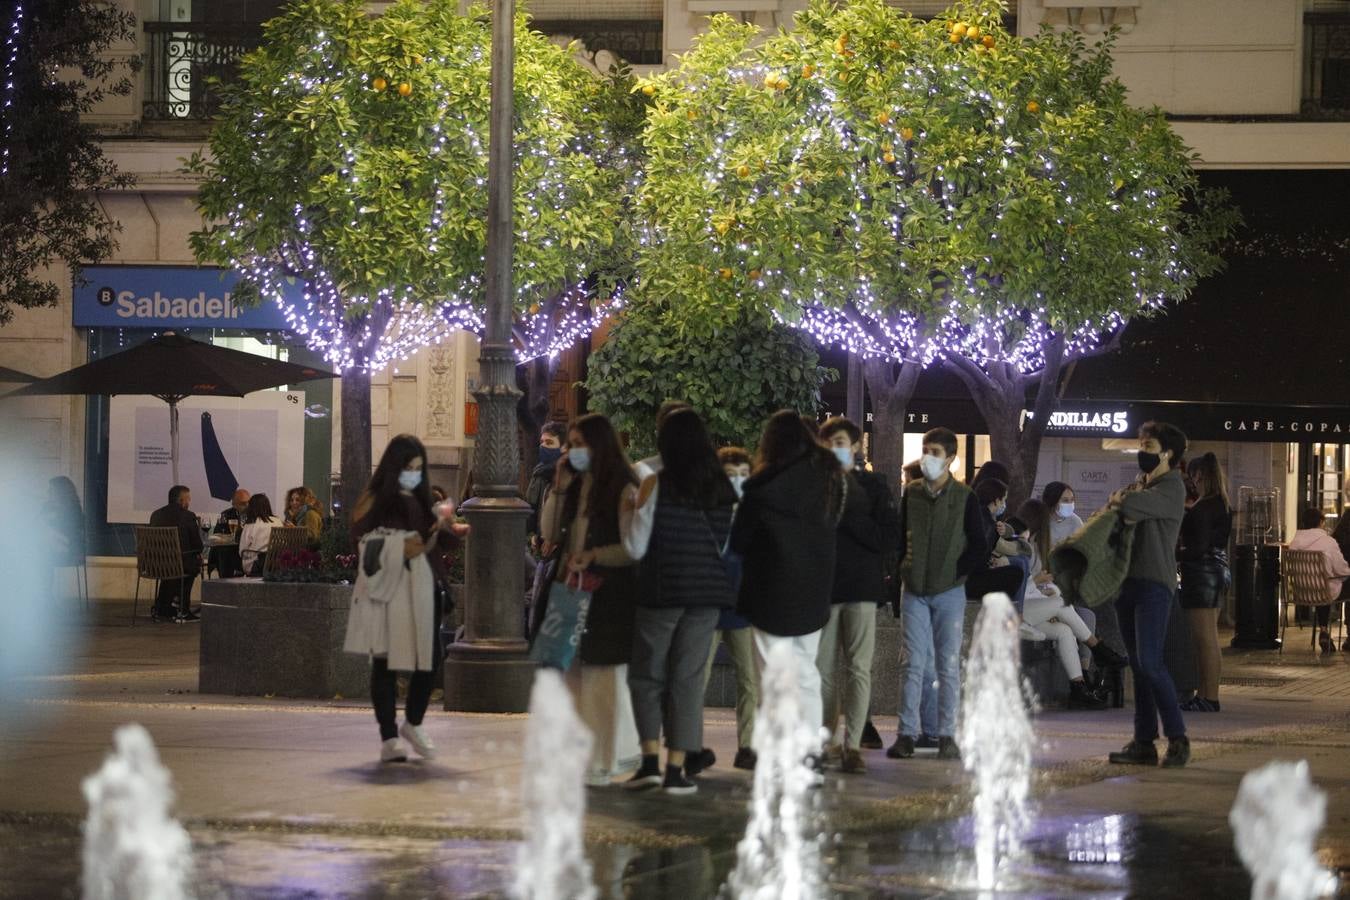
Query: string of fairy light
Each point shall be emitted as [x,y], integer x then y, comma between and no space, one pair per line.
[374,328]
[975,315]
[11,61]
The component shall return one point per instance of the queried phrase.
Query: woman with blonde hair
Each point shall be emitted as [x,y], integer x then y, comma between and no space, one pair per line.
[302,511]
[1203,564]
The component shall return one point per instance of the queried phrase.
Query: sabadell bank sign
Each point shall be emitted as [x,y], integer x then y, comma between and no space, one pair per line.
[169,297]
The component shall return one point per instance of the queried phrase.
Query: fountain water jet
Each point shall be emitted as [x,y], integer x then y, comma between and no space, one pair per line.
[1276,818]
[779,857]
[552,864]
[995,736]
[133,847]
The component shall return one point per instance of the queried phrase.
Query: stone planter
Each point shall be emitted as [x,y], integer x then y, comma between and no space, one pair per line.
[261,638]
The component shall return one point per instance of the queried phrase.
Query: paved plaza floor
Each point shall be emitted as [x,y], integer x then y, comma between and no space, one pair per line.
[284,799]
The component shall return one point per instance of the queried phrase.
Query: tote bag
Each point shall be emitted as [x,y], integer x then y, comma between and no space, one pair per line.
[555,644]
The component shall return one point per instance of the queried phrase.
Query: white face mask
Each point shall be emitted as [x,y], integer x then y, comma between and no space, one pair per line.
[1000,509]
[580,458]
[738,482]
[844,455]
[409,479]
[932,467]
[1064,510]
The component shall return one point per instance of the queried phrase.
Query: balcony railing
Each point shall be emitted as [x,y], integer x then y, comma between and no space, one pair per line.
[182,56]
[1326,64]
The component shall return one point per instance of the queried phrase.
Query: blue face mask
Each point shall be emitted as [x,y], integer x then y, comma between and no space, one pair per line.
[844,455]
[548,456]
[580,458]
[1000,509]
[409,479]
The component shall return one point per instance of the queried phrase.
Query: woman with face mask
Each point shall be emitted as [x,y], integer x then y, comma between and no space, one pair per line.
[1064,519]
[581,516]
[399,631]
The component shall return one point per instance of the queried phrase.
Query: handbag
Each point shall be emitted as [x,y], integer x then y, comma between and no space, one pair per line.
[732,562]
[556,642]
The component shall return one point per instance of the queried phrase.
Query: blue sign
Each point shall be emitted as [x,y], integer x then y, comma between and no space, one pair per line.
[171,297]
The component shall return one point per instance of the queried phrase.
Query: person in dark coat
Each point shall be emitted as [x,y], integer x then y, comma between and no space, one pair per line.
[785,534]
[582,515]
[685,586]
[177,514]
[868,532]
[551,439]
[1203,566]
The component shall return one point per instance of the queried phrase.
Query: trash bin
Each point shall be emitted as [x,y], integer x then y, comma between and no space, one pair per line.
[1256,601]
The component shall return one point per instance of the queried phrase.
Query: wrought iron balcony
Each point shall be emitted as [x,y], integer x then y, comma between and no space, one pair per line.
[180,60]
[1326,62]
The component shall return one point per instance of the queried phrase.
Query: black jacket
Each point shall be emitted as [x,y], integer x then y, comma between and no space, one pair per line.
[868,534]
[189,533]
[787,541]
[541,481]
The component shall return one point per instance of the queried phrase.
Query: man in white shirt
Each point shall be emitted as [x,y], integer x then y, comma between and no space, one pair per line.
[1311,536]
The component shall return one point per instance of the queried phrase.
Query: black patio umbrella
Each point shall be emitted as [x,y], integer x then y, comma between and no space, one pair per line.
[14,376]
[172,367]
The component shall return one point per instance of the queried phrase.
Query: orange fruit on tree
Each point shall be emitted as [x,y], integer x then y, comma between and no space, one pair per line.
[955,38]
[417,60]
[892,45]
[754,274]
[404,89]
[648,90]
[379,84]
[888,157]
[981,49]
[690,115]
[906,133]
[724,273]
[1033,107]
[743,171]
[883,118]
[988,41]
[808,71]
[959,29]
[973,32]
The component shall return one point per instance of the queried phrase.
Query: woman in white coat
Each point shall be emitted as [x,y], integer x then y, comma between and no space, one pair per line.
[395,603]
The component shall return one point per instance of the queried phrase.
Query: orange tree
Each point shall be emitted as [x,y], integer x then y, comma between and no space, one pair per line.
[920,192]
[351,158]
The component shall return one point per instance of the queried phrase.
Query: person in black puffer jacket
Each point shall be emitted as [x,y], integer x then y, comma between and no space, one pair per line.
[785,534]
[868,532]
[684,586]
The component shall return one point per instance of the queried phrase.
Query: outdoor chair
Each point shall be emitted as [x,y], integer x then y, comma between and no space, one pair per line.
[284,539]
[1305,584]
[159,556]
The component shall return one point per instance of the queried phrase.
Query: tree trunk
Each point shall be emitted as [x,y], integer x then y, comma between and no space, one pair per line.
[1000,396]
[356,465]
[532,411]
[891,385]
[854,405]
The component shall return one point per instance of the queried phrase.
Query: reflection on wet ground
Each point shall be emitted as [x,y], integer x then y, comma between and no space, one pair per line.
[1084,856]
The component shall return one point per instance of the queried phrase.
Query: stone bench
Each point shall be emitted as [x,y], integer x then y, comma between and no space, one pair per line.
[269,638]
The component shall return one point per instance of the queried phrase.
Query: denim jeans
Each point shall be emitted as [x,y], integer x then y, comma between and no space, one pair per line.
[932,643]
[1144,607]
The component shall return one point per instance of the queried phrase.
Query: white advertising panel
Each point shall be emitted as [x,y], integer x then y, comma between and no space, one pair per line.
[1094,481]
[255,442]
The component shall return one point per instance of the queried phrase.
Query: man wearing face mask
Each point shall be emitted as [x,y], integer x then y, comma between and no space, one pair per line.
[551,438]
[868,530]
[942,542]
[1156,506]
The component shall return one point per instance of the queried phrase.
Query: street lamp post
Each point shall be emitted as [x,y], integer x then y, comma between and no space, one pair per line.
[488,670]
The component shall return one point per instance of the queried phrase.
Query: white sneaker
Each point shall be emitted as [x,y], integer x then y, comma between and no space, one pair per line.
[393,750]
[1030,633]
[420,740]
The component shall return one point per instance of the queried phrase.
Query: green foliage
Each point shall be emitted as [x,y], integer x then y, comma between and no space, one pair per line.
[352,155]
[55,163]
[735,377]
[913,188]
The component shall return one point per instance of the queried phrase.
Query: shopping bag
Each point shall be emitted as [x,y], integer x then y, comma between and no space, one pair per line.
[555,644]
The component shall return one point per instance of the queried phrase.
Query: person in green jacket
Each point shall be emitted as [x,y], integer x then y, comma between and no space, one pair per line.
[1156,506]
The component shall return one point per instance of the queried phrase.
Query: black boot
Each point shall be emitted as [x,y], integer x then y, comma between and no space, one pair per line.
[1106,657]
[1083,697]
[1136,753]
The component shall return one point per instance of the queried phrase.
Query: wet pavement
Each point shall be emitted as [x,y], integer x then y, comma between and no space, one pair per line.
[283,800]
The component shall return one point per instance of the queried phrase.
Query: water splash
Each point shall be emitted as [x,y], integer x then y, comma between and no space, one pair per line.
[995,737]
[1276,818]
[552,864]
[779,857]
[133,847]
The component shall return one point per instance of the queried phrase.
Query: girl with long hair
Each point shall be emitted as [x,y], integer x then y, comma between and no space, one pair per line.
[302,510]
[1203,564]
[1045,610]
[401,633]
[785,534]
[684,588]
[256,533]
[581,518]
